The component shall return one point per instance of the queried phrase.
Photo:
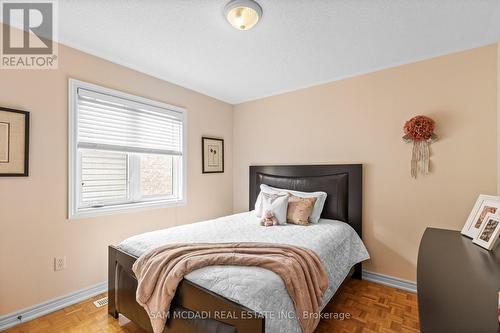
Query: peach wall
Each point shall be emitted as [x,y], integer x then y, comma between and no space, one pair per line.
[359,120]
[33,223]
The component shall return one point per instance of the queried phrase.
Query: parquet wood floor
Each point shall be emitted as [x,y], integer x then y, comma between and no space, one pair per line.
[373,308]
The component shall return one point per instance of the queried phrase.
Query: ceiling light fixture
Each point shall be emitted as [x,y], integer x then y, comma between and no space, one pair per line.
[243,14]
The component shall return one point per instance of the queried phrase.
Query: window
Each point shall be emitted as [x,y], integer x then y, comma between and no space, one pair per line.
[125,152]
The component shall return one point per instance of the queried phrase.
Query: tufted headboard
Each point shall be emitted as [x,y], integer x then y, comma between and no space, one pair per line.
[342,183]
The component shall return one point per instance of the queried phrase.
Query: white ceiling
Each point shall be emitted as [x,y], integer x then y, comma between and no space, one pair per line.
[298,43]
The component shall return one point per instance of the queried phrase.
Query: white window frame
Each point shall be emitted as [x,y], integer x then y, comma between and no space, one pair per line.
[73,195]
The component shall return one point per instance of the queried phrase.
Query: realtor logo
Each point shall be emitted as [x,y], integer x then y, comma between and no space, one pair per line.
[28,35]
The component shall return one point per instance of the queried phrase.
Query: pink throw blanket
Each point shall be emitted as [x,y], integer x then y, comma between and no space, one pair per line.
[160,271]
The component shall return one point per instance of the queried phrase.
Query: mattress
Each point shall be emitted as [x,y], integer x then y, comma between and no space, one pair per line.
[336,243]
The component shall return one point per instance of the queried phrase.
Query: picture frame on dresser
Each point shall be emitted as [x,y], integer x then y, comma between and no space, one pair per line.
[484,204]
[488,236]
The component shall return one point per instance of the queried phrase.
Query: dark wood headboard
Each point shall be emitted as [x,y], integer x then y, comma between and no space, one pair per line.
[342,183]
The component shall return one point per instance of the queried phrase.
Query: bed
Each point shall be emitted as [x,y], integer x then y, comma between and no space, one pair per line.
[220,298]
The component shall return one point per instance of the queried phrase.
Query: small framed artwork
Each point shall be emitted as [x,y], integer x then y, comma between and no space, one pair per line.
[484,204]
[14,142]
[489,234]
[212,155]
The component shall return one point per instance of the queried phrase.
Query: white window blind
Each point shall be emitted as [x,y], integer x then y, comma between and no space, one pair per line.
[117,124]
[125,151]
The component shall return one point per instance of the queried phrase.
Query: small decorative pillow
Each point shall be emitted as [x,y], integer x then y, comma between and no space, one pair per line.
[299,209]
[277,204]
[259,205]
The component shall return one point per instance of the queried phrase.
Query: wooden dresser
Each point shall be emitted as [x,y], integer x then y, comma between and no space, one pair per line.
[458,284]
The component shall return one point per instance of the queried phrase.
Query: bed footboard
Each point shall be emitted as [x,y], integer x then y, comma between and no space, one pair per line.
[111,281]
[193,310]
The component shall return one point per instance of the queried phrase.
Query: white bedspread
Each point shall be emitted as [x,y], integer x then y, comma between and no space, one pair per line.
[336,243]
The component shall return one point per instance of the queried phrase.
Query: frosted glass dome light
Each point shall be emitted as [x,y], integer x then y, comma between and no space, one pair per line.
[243,14]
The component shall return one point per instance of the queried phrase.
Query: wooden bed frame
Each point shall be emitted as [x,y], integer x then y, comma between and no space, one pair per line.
[342,183]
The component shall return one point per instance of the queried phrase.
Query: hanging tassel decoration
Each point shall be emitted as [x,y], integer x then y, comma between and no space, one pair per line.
[414,159]
[420,158]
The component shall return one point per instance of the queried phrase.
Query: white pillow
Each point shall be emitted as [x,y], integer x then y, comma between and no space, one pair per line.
[318,205]
[277,204]
[258,202]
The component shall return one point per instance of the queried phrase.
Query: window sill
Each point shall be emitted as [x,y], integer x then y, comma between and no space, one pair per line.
[84,213]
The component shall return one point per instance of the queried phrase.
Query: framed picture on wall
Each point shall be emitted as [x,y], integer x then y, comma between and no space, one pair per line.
[488,236]
[14,142]
[212,155]
[484,204]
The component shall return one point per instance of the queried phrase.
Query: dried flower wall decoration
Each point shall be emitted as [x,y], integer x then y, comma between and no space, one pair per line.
[420,131]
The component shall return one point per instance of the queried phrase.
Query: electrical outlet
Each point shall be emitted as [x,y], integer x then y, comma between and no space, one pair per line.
[59,263]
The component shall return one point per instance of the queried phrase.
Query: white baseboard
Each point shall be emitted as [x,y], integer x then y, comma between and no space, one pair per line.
[55,304]
[390,281]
